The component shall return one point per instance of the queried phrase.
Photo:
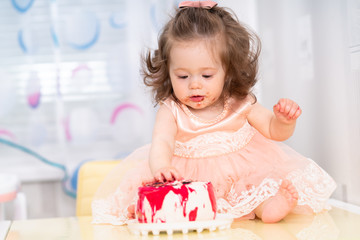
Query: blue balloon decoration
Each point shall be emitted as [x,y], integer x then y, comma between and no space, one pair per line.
[21,42]
[84,31]
[28,40]
[90,43]
[54,37]
[22,5]
[116,23]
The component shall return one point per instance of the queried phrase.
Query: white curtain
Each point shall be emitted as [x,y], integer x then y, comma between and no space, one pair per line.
[311,54]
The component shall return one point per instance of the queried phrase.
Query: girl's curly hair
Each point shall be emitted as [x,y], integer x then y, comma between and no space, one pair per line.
[239,50]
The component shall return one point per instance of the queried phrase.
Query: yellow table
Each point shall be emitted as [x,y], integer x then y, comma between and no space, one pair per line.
[334,224]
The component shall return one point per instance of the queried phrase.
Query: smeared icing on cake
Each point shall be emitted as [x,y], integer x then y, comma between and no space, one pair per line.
[176,202]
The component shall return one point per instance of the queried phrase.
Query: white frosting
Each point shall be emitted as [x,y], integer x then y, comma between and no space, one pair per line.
[200,199]
[172,210]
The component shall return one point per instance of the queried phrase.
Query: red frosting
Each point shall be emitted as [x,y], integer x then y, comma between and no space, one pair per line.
[156,193]
[193,214]
[212,196]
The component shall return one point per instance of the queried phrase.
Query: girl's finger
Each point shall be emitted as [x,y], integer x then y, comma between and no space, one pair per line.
[159,177]
[291,106]
[297,113]
[287,109]
[293,110]
[283,104]
[167,176]
[176,175]
[276,108]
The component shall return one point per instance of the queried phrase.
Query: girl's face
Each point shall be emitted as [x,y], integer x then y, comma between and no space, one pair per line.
[196,74]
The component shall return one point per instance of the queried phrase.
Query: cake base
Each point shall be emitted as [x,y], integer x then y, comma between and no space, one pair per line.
[220,223]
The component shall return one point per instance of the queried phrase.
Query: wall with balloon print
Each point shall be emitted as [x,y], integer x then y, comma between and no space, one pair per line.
[70,85]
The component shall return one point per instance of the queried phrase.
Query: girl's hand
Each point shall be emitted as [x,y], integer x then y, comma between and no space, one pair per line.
[287,111]
[167,174]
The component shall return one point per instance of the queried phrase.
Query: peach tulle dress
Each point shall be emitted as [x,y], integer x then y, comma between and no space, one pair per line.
[244,167]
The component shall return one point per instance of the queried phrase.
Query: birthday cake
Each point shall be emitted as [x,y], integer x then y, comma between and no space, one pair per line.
[176,202]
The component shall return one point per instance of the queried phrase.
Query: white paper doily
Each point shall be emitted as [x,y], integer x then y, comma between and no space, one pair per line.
[221,222]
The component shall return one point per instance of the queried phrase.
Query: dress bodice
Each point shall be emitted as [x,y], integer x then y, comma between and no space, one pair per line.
[197,137]
[232,118]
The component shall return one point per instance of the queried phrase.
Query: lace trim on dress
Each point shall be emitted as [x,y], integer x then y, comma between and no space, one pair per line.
[215,144]
[313,184]
[243,203]
[106,211]
[110,210]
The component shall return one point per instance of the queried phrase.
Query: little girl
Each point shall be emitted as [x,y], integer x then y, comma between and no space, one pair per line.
[209,127]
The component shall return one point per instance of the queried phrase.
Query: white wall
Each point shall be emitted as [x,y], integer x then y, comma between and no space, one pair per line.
[306,57]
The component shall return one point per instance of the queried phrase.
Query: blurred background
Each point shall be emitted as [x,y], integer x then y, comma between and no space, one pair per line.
[71,90]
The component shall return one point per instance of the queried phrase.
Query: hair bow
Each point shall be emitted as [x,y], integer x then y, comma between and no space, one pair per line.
[198,4]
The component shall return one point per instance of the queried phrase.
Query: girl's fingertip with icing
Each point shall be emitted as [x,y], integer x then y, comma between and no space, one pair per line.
[277,107]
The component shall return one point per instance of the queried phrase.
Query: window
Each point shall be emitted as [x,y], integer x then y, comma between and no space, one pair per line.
[70,86]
